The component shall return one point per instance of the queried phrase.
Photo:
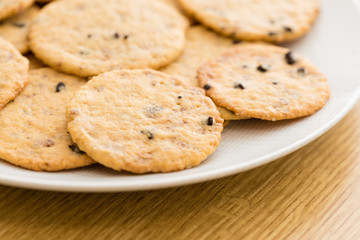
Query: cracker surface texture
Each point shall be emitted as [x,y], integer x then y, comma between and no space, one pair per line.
[144,121]
[16,28]
[268,20]
[86,38]
[266,82]
[13,72]
[33,131]
[9,8]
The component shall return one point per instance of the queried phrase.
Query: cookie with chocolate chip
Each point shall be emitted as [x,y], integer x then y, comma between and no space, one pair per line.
[201,45]
[16,28]
[144,121]
[86,38]
[9,8]
[264,81]
[269,20]
[33,131]
[13,72]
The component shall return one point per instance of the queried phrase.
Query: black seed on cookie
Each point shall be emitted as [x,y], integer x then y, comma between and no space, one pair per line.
[290,58]
[116,35]
[84,53]
[126,37]
[301,71]
[179,97]
[74,147]
[19,25]
[273,33]
[245,66]
[210,121]
[207,87]
[148,134]
[49,143]
[262,68]
[239,85]
[89,35]
[288,29]
[236,41]
[275,83]
[60,86]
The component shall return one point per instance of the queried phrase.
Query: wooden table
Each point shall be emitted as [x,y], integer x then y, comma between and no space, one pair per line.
[313,193]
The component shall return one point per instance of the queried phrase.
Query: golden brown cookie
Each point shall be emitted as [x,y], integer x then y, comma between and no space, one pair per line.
[9,8]
[16,28]
[201,45]
[33,131]
[13,72]
[264,81]
[144,121]
[86,38]
[267,20]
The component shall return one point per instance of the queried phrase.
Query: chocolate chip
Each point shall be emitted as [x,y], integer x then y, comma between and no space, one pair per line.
[239,85]
[147,133]
[262,68]
[207,87]
[60,86]
[210,121]
[236,41]
[19,25]
[288,29]
[74,147]
[179,97]
[290,58]
[273,33]
[49,143]
[116,35]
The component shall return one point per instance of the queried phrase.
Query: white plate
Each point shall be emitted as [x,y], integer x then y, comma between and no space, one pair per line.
[333,45]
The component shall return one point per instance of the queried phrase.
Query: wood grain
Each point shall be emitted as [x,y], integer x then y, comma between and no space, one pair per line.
[313,193]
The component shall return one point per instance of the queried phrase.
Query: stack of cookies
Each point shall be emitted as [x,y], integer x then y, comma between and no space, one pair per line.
[145,86]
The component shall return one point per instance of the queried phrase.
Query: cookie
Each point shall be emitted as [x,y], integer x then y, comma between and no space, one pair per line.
[271,20]
[13,72]
[264,81]
[86,38]
[34,62]
[33,131]
[16,28]
[201,44]
[9,8]
[156,125]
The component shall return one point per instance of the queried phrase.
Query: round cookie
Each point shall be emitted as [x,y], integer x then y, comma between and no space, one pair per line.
[270,20]
[16,28]
[13,72]
[201,45]
[86,38]
[157,125]
[9,8]
[33,131]
[264,81]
